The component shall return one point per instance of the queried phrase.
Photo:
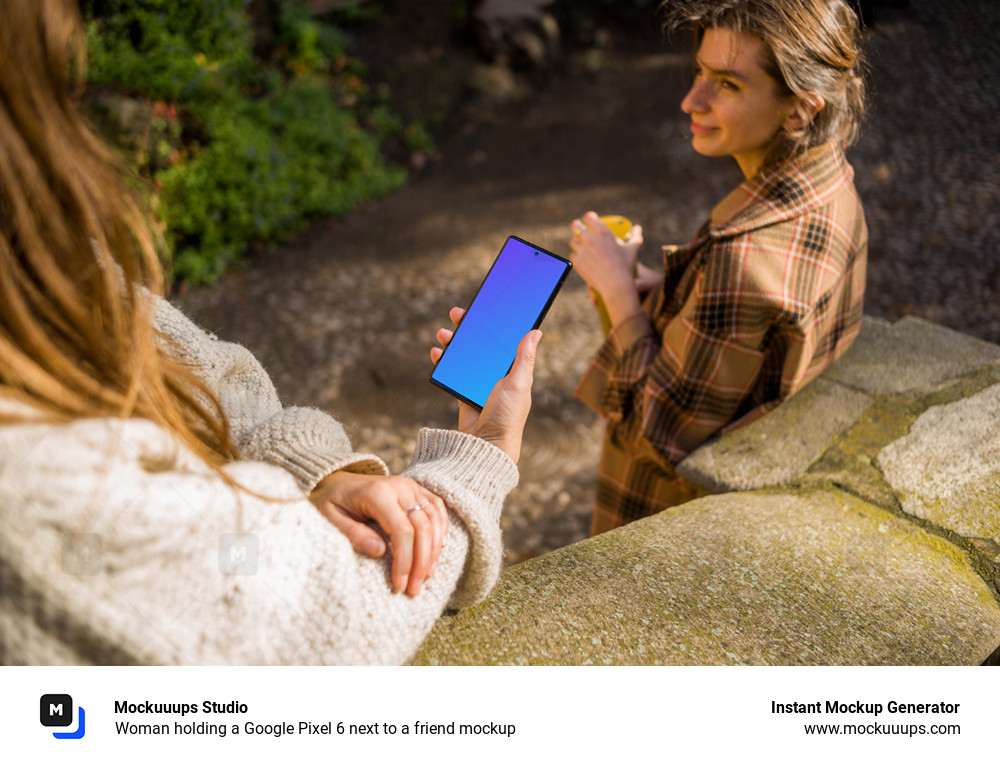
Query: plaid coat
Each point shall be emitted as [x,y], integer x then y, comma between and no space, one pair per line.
[765,297]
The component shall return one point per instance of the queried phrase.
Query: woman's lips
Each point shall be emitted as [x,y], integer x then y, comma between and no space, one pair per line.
[700,130]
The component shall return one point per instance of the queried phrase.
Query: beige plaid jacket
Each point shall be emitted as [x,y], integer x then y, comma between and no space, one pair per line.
[766,296]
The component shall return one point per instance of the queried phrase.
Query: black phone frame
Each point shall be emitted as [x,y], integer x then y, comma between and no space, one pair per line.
[535,326]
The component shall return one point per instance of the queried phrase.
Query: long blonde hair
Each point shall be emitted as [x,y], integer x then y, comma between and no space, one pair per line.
[78,253]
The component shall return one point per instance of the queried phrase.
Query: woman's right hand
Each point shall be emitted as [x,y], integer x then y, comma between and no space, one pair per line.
[502,419]
[606,263]
[413,518]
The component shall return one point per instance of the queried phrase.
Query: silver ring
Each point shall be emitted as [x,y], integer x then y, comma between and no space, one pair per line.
[423,505]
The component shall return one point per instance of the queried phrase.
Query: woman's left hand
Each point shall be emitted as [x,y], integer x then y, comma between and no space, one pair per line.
[413,517]
[502,419]
[646,279]
[606,264]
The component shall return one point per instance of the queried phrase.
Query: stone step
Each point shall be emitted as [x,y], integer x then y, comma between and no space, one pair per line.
[946,470]
[909,419]
[770,578]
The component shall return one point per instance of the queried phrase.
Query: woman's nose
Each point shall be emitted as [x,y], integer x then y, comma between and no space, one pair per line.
[695,100]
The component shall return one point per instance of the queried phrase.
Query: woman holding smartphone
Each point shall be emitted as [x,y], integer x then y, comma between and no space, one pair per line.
[769,291]
[157,503]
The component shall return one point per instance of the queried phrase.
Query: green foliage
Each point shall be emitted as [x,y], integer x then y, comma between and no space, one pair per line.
[167,49]
[267,143]
[309,45]
[272,163]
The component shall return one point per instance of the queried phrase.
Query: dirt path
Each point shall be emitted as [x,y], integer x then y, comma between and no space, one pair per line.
[343,318]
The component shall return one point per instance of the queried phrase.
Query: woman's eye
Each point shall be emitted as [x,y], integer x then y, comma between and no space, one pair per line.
[728,85]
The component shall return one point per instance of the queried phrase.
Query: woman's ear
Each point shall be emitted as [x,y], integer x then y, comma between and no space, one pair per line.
[805,111]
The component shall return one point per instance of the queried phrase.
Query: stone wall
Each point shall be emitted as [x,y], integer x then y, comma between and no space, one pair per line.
[857,524]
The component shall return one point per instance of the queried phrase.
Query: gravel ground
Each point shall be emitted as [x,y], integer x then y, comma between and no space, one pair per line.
[343,317]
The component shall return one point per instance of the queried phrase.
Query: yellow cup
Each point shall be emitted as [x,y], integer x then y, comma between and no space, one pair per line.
[620,226]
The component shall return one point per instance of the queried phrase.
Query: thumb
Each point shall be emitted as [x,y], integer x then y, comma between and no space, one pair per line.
[522,371]
[636,236]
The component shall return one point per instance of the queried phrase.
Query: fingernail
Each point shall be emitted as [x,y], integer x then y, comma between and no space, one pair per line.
[372,548]
[434,567]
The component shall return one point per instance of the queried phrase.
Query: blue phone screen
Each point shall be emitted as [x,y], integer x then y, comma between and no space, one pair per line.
[510,303]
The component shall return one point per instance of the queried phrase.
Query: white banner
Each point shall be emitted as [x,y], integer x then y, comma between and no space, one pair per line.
[511,716]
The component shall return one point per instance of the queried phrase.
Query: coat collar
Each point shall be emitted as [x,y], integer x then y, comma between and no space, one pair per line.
[782,193]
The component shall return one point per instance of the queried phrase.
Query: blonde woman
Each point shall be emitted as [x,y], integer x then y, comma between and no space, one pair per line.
[769,292]
[157,503]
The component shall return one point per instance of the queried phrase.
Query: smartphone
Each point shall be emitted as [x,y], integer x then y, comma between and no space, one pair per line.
[511,302]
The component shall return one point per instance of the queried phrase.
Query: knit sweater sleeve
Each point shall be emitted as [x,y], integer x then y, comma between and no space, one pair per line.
[142,553]
[306,442]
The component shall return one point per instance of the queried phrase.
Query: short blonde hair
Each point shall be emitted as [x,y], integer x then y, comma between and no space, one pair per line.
[812,46]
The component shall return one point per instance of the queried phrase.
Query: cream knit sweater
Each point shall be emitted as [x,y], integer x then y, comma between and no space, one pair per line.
[118,545]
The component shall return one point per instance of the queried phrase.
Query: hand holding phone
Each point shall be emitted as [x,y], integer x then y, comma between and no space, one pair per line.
[512,301]
[501,421]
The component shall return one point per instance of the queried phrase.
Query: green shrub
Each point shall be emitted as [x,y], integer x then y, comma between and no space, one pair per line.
[267,143]
[272,164]
[167,49]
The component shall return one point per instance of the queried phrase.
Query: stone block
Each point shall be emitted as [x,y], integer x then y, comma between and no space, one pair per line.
[947,468]
[910,358]
[780,446]
[810,578]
